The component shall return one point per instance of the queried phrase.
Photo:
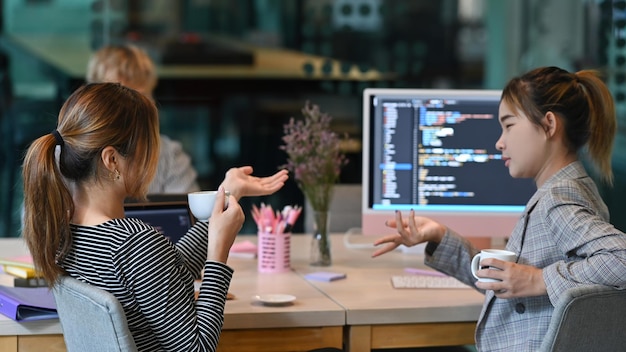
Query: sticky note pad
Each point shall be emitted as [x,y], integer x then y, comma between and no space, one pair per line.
[324,276]
[425,272]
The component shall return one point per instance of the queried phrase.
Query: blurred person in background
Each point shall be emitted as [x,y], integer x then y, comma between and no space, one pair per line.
[132,67]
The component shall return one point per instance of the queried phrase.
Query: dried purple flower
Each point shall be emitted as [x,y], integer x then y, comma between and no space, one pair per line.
[314,155]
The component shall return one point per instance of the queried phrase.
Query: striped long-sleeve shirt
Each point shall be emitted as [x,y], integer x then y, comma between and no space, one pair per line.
[153,280]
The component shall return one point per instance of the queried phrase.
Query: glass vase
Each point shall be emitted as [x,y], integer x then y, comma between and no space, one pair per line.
[320,244]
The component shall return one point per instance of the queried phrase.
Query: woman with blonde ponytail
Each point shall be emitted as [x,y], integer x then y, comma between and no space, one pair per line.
[550,118]
[105,149]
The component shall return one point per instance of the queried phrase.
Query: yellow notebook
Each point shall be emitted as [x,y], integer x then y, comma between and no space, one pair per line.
[20,271]
[21,266]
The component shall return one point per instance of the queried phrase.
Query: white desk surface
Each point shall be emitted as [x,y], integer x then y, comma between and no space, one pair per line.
[311,307]
[367,293]
[365,297]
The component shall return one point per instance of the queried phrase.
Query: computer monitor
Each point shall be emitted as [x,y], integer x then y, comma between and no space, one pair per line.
[433,150]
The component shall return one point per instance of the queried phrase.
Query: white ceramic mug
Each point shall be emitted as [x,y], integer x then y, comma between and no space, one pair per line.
[201,203]
[500,254]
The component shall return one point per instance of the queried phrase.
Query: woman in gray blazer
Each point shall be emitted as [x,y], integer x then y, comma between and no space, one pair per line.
[563,238]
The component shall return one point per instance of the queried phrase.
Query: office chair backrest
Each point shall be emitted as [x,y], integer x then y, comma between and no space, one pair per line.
[92,319]
[588,318]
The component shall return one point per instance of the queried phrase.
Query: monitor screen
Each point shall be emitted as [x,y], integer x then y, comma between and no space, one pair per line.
[433,150]
[171,218]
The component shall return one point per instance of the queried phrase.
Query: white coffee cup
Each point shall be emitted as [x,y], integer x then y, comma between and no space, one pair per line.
[201,203]
[500,254]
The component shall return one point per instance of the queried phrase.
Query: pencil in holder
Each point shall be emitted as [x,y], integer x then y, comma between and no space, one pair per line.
[274,252]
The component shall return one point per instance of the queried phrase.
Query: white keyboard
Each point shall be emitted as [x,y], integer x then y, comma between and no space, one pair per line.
[424,281]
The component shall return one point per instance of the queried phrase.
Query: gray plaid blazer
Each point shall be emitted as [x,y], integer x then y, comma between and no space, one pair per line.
[564,230]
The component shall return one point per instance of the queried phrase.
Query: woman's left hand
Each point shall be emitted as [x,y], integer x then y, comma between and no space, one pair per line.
[240,182]
[517,280]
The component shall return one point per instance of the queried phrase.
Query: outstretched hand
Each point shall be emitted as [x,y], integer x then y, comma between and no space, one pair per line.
[240,182]
[416,230]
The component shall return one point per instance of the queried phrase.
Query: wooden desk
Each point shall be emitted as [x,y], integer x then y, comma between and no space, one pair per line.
[313,321]
[379,316]
[364,307]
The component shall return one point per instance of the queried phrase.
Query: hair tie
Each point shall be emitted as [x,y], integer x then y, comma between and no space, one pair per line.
[58,138]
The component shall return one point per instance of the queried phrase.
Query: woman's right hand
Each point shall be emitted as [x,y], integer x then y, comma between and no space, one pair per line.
[241,183]
[224,225]
[416,230]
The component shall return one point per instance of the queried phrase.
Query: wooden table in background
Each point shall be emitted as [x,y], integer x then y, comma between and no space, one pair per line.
[65,57]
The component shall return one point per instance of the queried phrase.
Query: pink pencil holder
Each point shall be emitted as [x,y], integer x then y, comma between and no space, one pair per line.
[273,252]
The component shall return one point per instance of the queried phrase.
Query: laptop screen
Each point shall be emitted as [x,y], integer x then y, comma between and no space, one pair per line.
[172,218]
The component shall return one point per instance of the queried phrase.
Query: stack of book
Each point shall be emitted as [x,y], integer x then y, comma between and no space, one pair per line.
[19,272]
